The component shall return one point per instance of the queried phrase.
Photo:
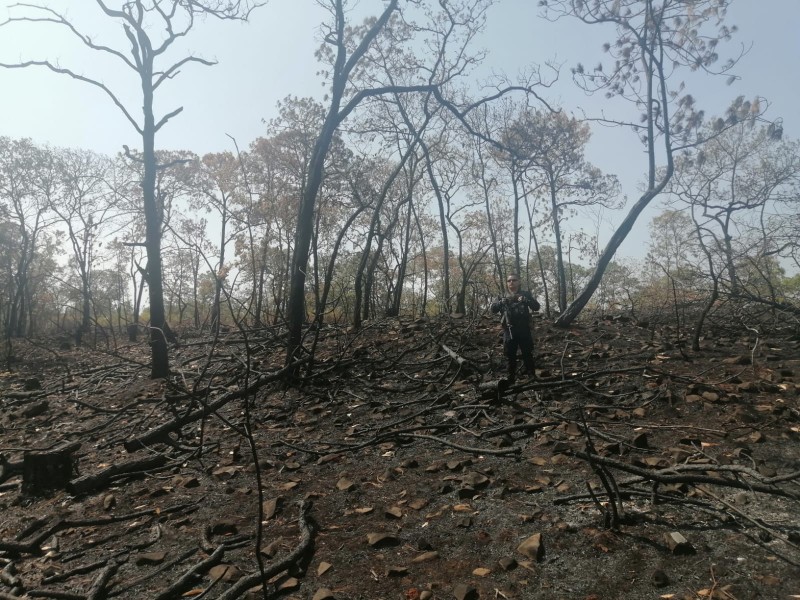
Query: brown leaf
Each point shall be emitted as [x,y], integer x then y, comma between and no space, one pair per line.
[425,557]
[290,583]
[418,503]
[394,512]
[229,573]
[382,540]
[150,558]
[532,547]
[225,473]
[344,484]
[270,507]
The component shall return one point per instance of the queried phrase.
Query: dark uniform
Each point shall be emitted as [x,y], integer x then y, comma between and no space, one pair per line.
[517,329]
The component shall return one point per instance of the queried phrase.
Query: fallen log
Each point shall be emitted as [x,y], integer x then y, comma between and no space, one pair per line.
[99,480]
[160,433]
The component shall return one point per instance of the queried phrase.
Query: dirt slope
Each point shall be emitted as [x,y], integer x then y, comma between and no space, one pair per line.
[405,468]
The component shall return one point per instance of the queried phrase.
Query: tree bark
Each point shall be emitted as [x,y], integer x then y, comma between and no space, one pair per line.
[153,218]
[566,318]
[296,309]
[562,277]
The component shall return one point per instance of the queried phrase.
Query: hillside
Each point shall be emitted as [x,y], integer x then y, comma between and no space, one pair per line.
[405,467]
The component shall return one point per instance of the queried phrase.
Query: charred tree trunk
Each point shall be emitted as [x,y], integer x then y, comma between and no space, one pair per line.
[574,309]
[326,285]
[562,277]
[397,293]
[153,220]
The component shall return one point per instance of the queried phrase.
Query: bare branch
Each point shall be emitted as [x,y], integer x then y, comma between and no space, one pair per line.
[373,32]
[59,19]
[173,70]
[173,163]
[167,117]
[68,72]
[226,10]
[128,154]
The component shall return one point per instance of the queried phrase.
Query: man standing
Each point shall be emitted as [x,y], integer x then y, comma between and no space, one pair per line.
[516,307]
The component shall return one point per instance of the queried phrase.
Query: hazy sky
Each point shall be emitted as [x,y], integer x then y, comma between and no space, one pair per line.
[272,56]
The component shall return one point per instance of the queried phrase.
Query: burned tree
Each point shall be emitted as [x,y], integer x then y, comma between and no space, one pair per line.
[148,28]
[654,39]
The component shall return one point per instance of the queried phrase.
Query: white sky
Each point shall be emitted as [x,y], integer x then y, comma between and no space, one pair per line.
[271,57]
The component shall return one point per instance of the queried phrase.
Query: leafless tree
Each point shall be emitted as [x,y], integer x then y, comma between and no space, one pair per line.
[354,78]
[148,28]
[654,39]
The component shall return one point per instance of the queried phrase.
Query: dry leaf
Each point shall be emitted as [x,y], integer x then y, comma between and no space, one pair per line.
[270,506]
[418,503]
[344,484]
[323,568]
[394,511]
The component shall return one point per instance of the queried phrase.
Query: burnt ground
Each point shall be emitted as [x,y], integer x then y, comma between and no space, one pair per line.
[405,468]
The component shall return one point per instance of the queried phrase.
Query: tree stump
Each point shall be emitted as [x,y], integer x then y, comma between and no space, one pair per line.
[491,389]
[46,470]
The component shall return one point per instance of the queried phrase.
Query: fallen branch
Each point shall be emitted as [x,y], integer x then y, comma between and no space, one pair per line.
[32,546]
[272,569]
[696,474]
[462,362]
[188,579]
[470,449]
[161,569]
[750,520]
[55,594]
[98,588]
[83,569]
[89,483]
[160,433]
[9,576]
[526,427]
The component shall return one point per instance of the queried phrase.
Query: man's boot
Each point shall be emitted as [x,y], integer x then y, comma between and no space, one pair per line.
[530,370]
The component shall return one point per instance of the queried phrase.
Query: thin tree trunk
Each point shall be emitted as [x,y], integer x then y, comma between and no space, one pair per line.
[397,293]
[326,286]
[562,277]
[153,217]
[574,309]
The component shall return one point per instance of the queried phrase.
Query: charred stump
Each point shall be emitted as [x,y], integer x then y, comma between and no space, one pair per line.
[46,470]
